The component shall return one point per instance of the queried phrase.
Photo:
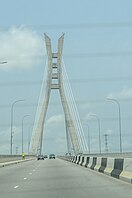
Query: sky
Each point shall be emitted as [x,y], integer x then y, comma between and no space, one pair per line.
[97,54]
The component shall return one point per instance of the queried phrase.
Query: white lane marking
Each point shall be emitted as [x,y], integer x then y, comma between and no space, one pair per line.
[30,173]
[25,178]
[34,170]
[16,186]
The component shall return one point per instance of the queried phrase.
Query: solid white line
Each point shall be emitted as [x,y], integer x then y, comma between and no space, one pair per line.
[16,186]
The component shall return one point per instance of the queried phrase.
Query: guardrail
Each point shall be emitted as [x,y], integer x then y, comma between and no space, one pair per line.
[7,158]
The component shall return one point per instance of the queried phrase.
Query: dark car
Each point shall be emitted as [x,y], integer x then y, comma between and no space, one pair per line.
[40,157]
[45,156]
[52,156]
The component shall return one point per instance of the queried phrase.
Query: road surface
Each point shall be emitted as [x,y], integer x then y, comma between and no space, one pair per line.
[54,178]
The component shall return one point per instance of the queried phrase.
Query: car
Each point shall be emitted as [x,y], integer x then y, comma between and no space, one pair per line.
[52,156]
[45,156]
[40,157]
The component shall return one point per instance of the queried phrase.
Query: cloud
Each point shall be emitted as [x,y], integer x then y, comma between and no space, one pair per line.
[56,120]
[125,93]
[21,48]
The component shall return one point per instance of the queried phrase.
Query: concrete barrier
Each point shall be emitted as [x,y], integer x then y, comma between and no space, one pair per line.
[118,168]
[78,159]
[9,158]
[3,164]
[98,164]
[93,163]
[67,158]
[103,165]
[110,166]
[81,161]
[75,159]
[86,161]
[85,158]
[126,174]
[90,162]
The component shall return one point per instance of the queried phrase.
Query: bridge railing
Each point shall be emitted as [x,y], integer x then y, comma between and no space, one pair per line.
[124,154]
[7,158]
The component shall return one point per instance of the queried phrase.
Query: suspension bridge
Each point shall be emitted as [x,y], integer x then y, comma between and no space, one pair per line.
[64,177]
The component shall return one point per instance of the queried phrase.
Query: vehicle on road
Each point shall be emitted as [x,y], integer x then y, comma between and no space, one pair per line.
[40,157]
[52,156]
[45,156]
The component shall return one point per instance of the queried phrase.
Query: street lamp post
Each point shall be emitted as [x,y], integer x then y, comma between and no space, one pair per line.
[28,141]
[22,129]
[29,137]
[119,117]
[12,107]
[88,139]
[94,115]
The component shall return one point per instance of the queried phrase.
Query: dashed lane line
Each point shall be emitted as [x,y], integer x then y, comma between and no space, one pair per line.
[16,187]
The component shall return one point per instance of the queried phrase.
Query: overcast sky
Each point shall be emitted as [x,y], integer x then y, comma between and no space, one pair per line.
[98,58]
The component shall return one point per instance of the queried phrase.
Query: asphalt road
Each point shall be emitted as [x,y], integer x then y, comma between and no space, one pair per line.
[58,179]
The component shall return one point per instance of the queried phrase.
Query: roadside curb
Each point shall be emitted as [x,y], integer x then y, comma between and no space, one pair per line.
[3,164]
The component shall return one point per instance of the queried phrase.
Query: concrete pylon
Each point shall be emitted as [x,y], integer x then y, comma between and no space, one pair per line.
[54,82]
